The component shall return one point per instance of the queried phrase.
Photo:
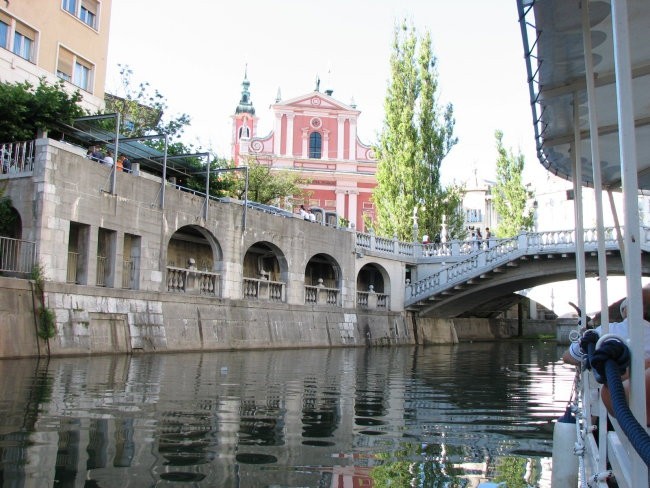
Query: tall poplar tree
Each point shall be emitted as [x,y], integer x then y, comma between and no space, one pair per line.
[416,136]
[510,196]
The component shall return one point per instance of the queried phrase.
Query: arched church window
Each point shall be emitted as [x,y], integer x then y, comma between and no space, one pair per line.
[244,131]
[315,144]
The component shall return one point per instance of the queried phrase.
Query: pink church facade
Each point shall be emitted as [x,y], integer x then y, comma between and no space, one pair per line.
[316,136]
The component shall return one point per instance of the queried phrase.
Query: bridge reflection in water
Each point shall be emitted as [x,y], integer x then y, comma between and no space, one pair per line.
[326,417]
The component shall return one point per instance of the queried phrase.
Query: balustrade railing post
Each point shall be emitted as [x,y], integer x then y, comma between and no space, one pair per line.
[522,241]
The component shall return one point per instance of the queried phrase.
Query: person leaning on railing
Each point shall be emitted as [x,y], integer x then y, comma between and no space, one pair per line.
[574,355]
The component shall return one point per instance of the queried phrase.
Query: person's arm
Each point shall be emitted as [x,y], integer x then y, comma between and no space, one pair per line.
[607,399]
[568,358]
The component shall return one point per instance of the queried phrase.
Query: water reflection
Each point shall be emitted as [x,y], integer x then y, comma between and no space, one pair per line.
[444,415]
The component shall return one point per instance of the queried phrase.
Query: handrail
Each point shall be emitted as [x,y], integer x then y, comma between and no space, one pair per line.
[17,255]
[502,251]
[17,158]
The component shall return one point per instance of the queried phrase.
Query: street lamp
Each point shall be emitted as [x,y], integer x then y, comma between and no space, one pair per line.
[419,203]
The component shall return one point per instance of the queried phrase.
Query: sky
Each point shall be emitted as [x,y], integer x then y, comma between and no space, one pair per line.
[195,53]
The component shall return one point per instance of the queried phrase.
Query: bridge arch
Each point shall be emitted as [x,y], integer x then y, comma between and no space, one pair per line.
[323,280]
[471,297]
[265,273]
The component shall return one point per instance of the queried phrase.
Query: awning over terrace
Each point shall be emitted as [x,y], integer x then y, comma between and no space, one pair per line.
[88,131]
[553,40]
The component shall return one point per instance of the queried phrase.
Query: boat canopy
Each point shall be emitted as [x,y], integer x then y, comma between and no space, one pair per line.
[553,40]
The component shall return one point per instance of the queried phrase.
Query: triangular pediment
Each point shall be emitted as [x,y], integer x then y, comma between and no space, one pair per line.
[314,101]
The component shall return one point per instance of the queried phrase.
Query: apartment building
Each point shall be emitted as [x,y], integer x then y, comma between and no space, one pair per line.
[57,39]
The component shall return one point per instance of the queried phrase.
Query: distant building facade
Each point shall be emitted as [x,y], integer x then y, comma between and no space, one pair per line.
[316,136]
[57,39]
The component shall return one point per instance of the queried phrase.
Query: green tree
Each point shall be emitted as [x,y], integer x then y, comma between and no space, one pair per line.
[25,109]
[416,136]
[142,109]
[269,186]
[510,196]
[512,471]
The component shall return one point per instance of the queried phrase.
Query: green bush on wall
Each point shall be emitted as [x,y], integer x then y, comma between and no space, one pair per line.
[46,323]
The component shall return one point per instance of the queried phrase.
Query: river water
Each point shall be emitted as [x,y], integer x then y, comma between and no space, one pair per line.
[429,416]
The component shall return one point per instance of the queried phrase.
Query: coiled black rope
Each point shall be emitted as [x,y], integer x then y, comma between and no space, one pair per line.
[612,357]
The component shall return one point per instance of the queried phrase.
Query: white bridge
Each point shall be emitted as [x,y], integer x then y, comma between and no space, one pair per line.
[455,277]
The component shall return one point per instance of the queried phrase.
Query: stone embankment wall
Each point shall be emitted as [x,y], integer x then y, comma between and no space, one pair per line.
[94,320]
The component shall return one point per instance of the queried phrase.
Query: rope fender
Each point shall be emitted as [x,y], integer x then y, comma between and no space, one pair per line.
[607,361]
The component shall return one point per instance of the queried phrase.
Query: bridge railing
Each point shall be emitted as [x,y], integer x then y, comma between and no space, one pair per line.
[401,249]
[502,251]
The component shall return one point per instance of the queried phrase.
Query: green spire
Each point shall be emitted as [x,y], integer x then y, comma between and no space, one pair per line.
[245,103]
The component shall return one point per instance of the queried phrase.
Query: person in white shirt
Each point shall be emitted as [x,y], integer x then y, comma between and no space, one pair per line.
[574,355]
[108,160]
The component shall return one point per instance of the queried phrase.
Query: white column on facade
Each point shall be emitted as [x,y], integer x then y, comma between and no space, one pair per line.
[325,154]
[289,145]
[352,208]
[277,134]
[305,143]
[340,137]
[353,139]
[340,203]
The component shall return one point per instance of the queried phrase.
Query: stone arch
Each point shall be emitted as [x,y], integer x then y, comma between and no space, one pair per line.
[194,242]
[194,260]
[14,227]
[373,287]
[375,275]
[265,272]
[323,280]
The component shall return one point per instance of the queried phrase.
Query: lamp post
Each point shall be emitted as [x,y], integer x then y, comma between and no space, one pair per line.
[419,203]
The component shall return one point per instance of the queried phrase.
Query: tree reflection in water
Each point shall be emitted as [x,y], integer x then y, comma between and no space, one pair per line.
[440,415]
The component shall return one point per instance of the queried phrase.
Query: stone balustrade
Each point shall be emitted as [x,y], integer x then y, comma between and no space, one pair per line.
[193,281]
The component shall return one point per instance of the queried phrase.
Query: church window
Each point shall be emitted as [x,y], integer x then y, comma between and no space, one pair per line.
[315,145]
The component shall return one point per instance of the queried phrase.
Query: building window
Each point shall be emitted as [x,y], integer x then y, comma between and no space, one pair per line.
[87,16]
[17,37]
[4,34]
[23,46]
[74,69]
[315,144]
[70,6]
[64,64]
[473,215]
[81,76]
[84,10]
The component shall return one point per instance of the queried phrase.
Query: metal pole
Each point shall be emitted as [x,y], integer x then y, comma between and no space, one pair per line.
[577,211]
[245,198]
[627,148]
[595,163]
[164,176]
[207,187]
[600,226]
[117,147]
